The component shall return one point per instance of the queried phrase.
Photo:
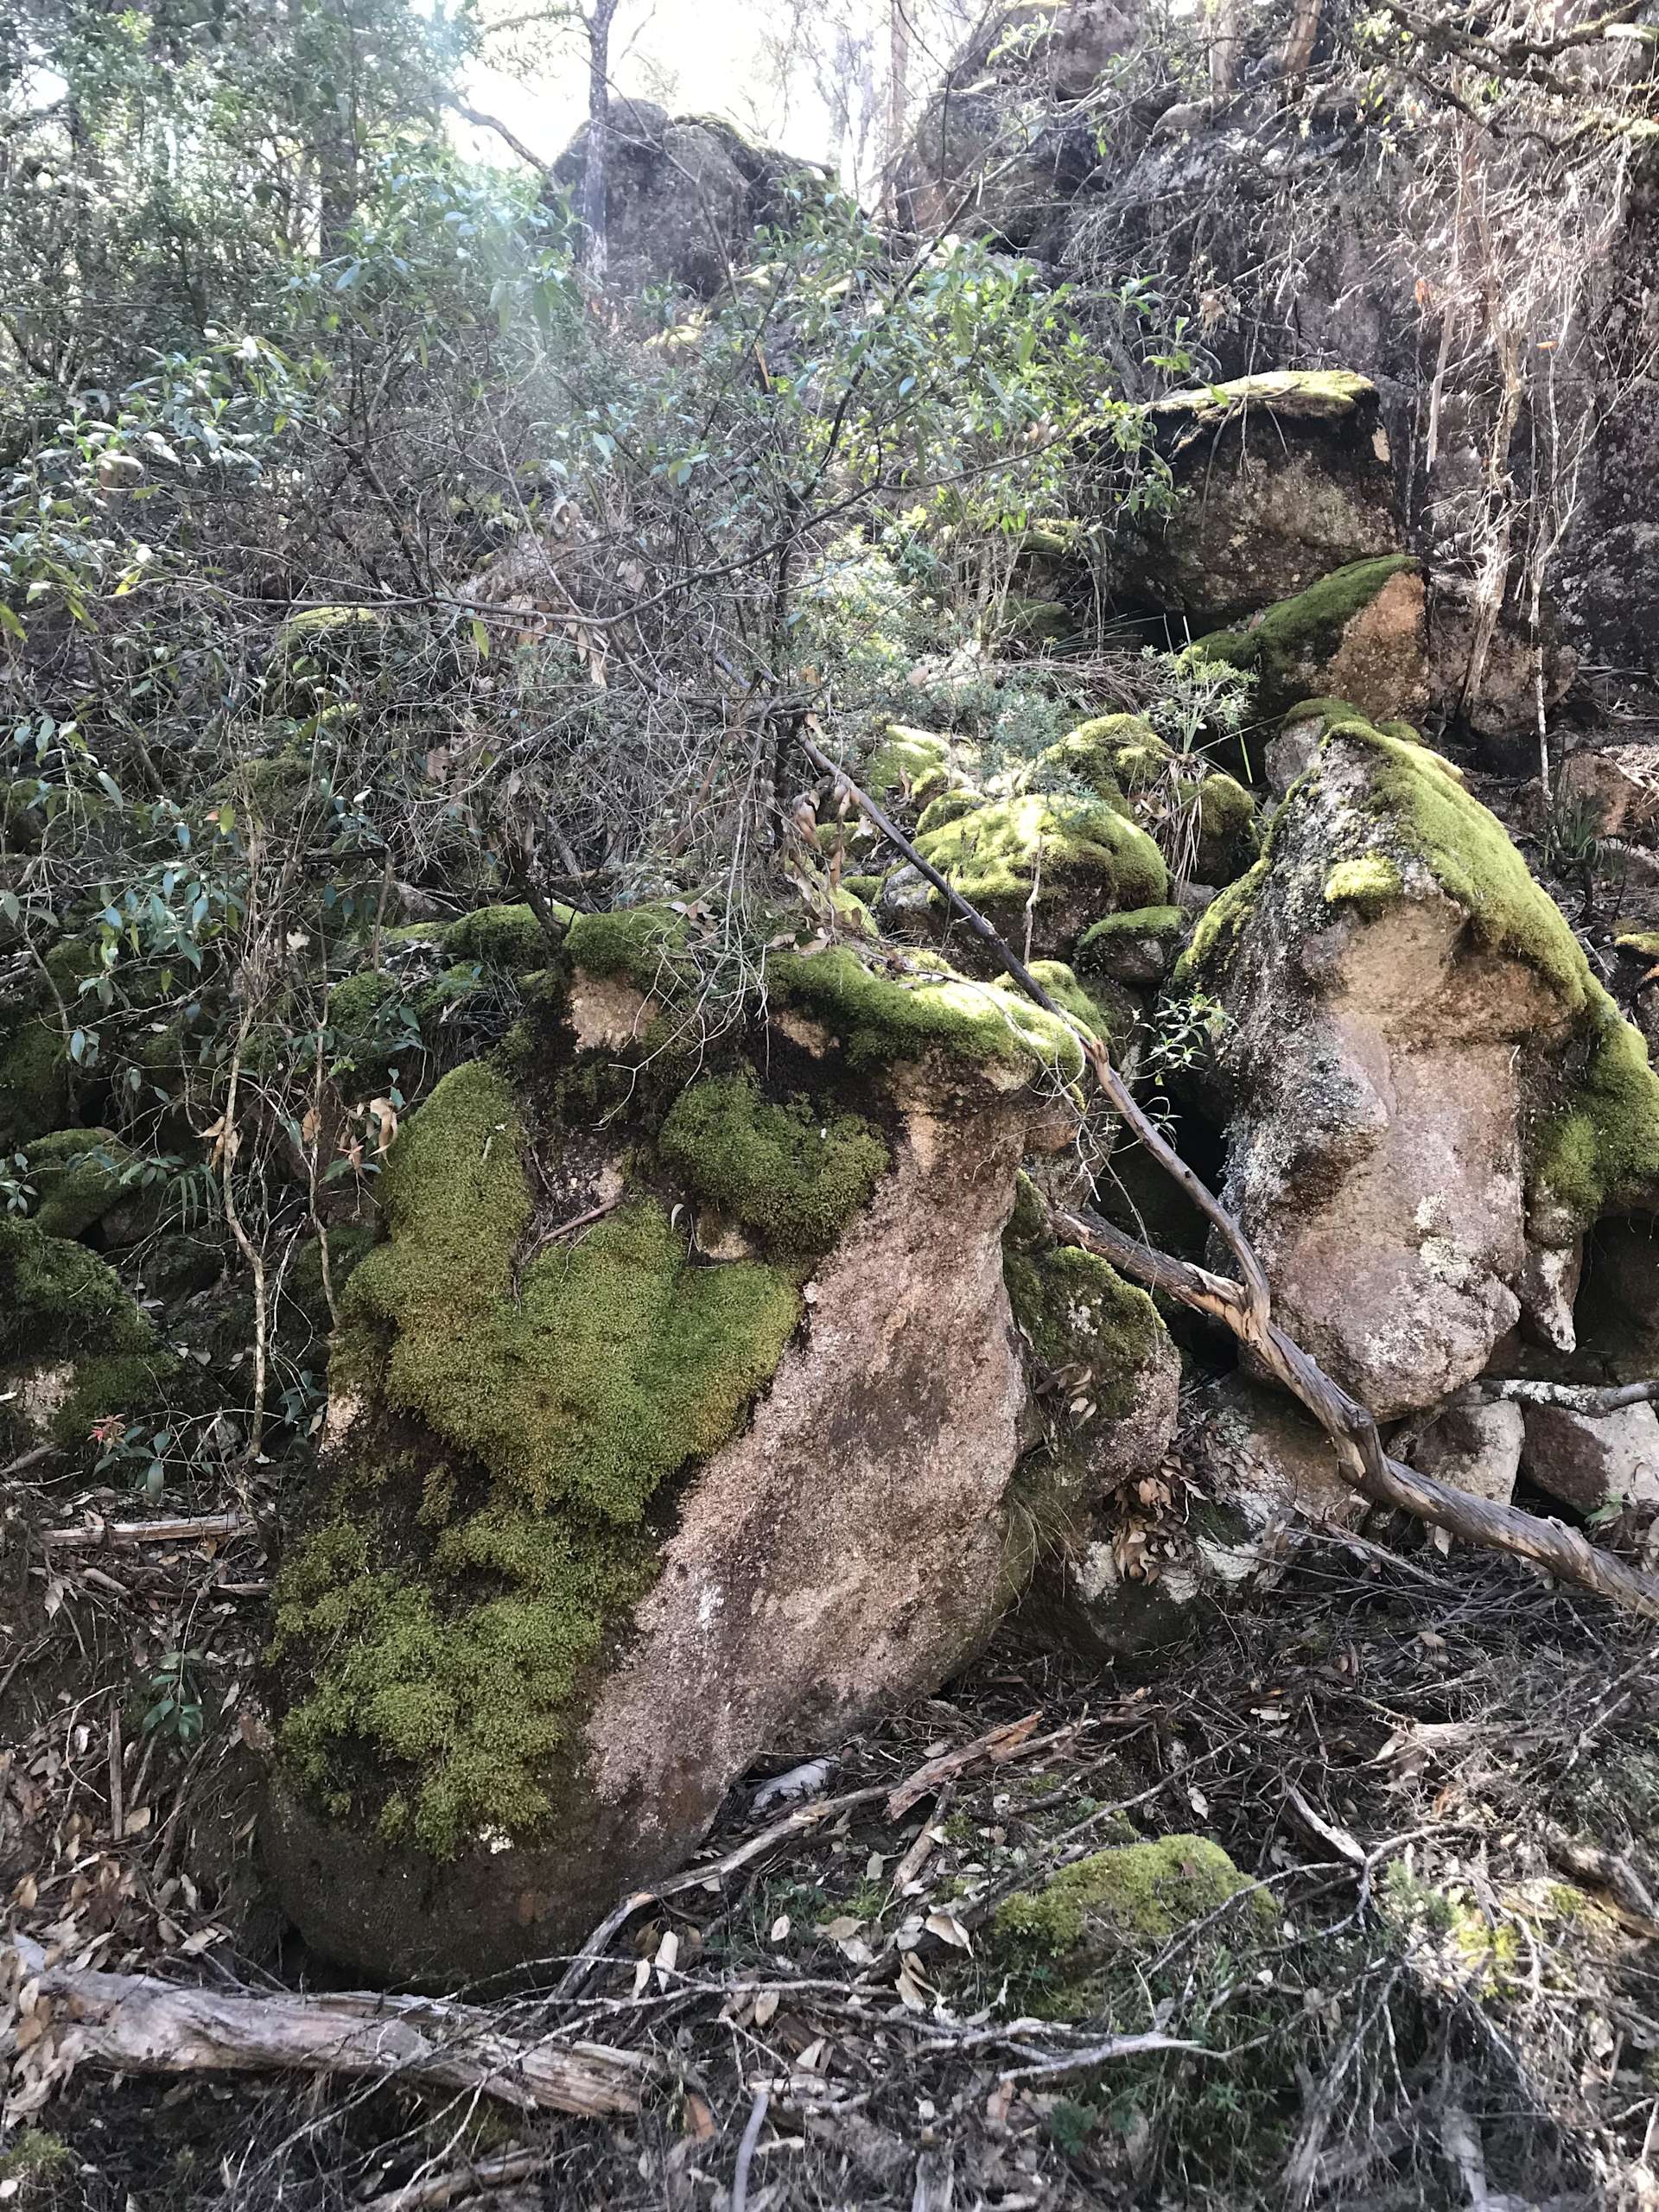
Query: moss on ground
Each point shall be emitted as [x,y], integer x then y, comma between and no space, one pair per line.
[1228,840]
[881,1020]
[77,1178]
[1091,1929]
[60,1303]
[796,1175]
[994,855]
[578,1377]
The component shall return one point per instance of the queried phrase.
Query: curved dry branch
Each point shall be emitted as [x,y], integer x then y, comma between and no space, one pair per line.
[1245,1307]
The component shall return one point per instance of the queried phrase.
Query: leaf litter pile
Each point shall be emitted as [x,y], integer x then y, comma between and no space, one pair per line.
[1431,1980]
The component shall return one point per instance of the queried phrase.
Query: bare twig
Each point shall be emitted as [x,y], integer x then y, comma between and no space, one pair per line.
[122,1535]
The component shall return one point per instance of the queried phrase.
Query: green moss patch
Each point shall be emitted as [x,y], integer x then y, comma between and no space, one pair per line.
[1081,1319]
[59,1302]
[645,946]
[1301,633]
[508,937]
[912,764]
[1370,884]
[1164,923]
[578,1376]
[795,1175]
[616,1362]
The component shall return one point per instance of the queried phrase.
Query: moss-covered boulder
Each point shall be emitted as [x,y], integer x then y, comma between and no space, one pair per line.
[74,1349]
[1202,819]
[1137,947]
[1357,634]
[1431,1094]
[78,1177]
[1047,863]
[677,1414]
[1281,478]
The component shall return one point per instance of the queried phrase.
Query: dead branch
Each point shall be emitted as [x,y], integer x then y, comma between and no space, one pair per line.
[122,1535]
[1578,1398]
[1245,1306]
[141,2025]
[996,1744]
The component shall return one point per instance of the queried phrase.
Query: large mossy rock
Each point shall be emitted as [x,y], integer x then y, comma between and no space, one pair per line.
[1359,635]
[1431,1096]
[1282,478]
[677,1415]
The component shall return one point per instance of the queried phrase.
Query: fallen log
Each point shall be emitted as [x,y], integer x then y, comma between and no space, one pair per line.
[1245,1306]
[134,2024]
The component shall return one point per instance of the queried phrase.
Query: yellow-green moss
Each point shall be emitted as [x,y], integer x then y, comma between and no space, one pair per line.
[60,1303]
[77,1175]
[1068,994]
[577,1377]
[880,1019]
[992,855]
[1423,810]
[1371,883]
[1329,712]
[641,945]
[795,1174]
[1219,925]
[950,806]
[913,763]
[1602,1149]
[1164,923]
[1112,753]
[1642,945]
[1227,842]
[464,1704]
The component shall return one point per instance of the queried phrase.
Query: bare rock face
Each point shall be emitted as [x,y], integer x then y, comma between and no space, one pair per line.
[1396,991]
[1282,478]
[1590,1460]
[681,1412]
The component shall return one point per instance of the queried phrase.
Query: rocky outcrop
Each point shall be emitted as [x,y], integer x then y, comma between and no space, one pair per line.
[680,1413]
[1280,478]
[1475,1447]
[1430,1096]
[1012,135]
[684,194]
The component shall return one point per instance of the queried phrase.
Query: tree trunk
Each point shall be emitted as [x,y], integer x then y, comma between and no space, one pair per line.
[592,206]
